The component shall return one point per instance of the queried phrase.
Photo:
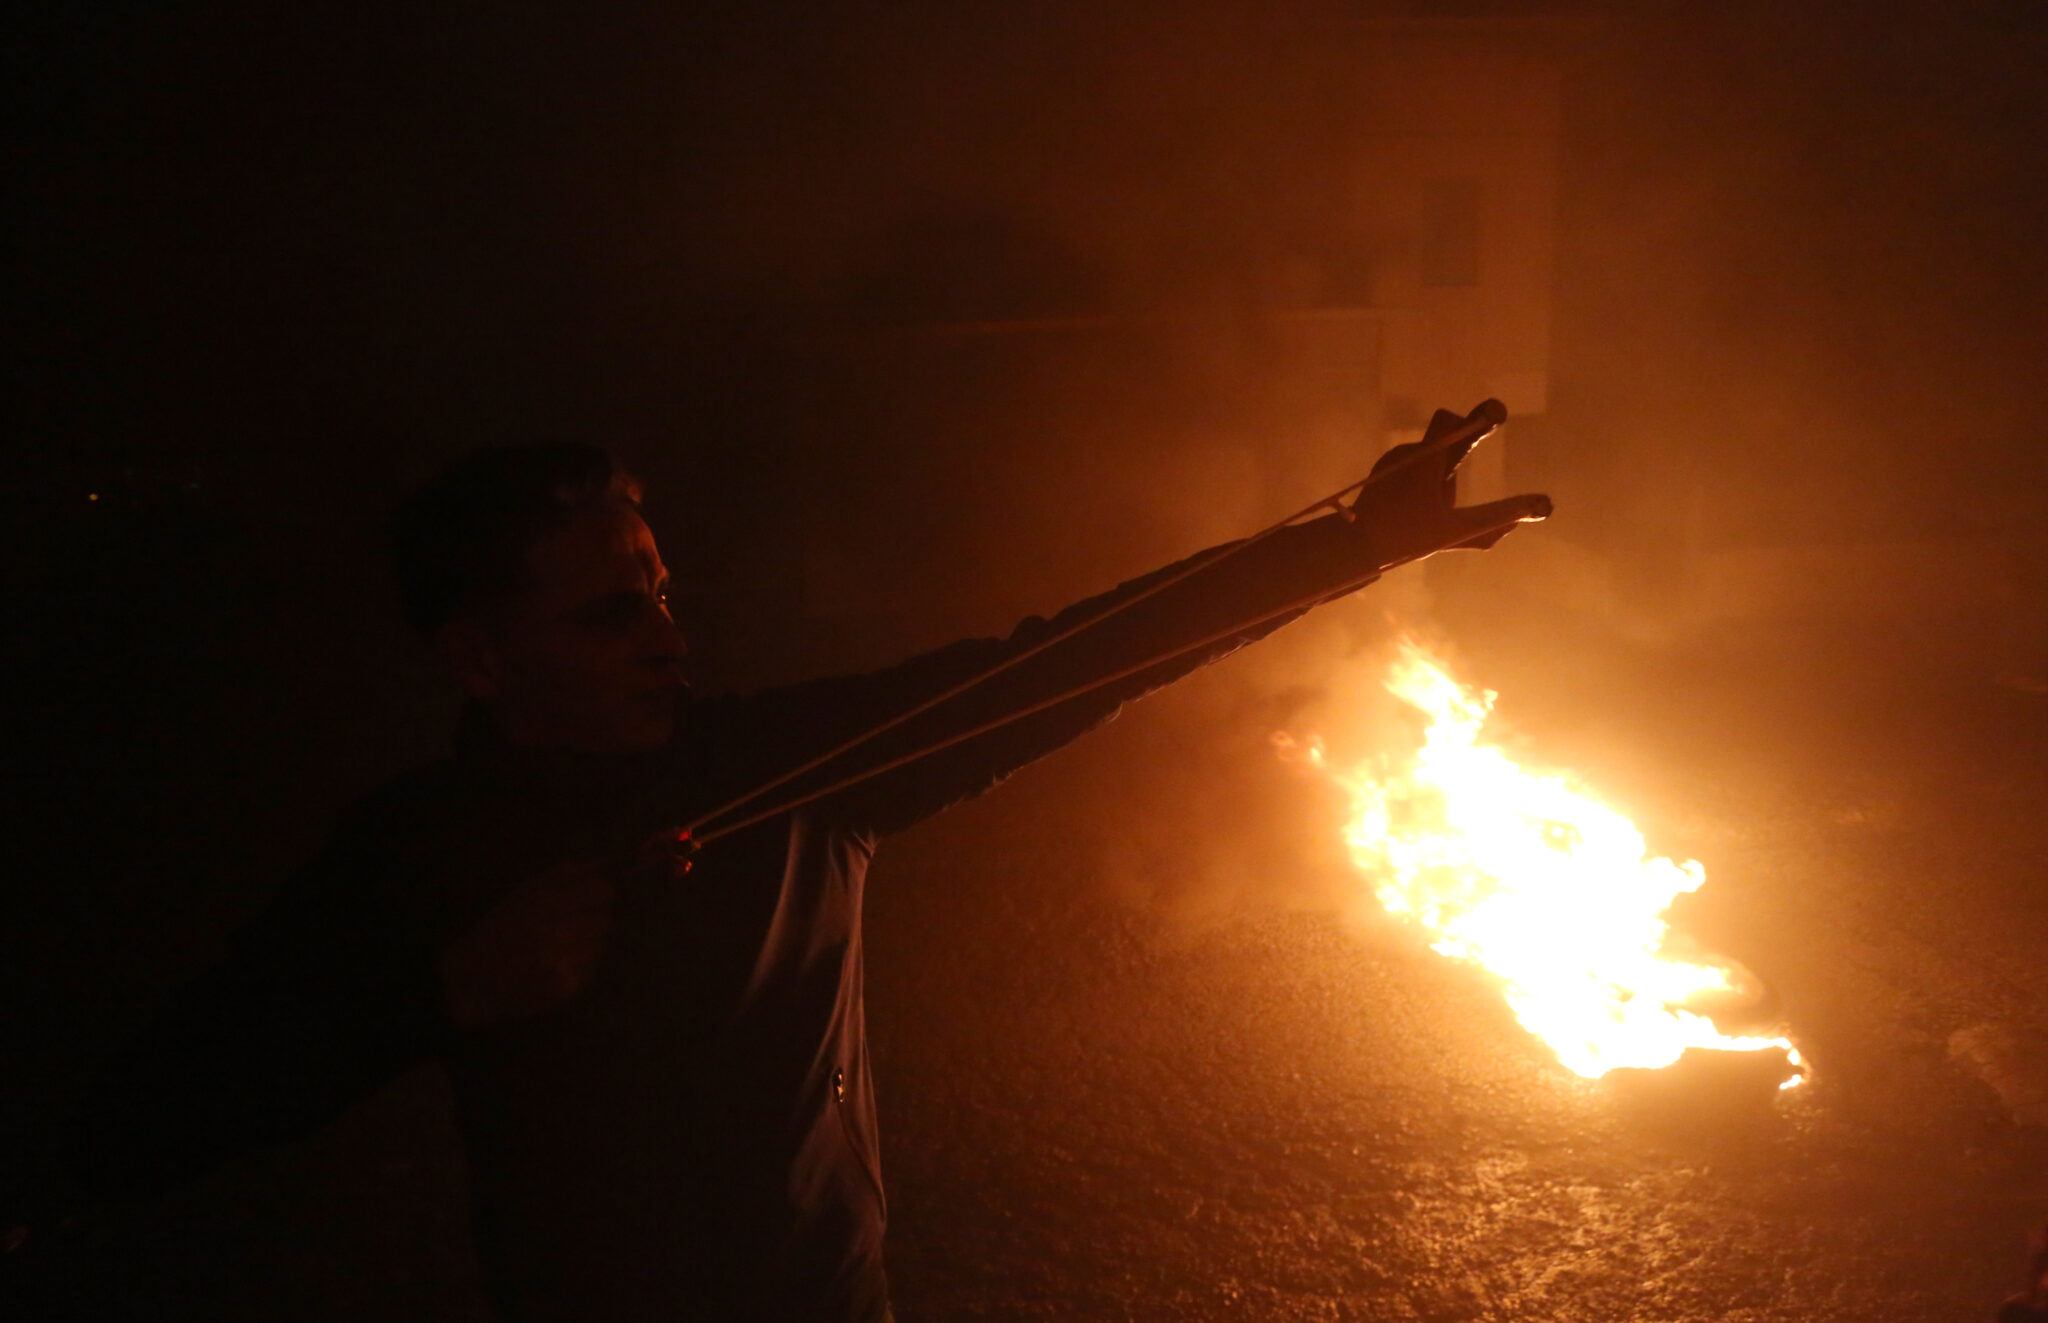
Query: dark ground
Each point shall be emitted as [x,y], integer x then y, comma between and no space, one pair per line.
[1284,1117]
[1092,1111]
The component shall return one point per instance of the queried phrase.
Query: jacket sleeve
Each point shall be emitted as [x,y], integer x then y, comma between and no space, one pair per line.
[1208,615]
[321,1000]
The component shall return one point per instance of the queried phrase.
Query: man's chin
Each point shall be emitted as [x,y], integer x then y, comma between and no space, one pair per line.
[648,725]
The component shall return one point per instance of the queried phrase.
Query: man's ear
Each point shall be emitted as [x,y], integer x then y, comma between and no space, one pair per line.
[472,657]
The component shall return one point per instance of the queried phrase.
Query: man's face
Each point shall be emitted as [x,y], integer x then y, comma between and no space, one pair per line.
[589,657]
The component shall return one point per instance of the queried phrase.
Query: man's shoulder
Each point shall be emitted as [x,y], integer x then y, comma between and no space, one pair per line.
[421,800]
[413,840]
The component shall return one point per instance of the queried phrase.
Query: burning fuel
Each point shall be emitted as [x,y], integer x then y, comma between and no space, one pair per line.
[1528,877]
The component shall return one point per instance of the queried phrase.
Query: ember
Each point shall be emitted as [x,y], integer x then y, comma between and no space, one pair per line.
[1530,878]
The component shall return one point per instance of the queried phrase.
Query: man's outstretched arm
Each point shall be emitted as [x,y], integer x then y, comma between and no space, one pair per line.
[1147,637]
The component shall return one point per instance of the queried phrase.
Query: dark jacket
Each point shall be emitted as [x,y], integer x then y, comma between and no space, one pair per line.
[694,1135]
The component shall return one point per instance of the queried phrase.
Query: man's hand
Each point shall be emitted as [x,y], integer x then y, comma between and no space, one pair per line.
[1413,511]
[531,952]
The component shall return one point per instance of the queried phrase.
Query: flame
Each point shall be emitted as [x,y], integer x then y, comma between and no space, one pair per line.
[1526,876]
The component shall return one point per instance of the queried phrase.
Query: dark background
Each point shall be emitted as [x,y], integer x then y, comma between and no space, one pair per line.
[270,266]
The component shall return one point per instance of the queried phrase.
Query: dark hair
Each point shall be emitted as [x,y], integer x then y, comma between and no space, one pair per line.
[461,540]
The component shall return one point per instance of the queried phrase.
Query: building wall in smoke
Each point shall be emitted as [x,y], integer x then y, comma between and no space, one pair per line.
[1463,175]
[1115,364]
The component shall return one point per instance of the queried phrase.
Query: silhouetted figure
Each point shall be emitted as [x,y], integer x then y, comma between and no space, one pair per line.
[662,1079]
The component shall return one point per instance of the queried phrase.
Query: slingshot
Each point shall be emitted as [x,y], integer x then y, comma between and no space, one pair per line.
[1455,440]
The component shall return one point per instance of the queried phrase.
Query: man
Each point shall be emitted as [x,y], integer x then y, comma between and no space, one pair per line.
[661,1074]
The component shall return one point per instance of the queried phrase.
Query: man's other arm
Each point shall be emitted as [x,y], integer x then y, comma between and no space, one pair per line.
[323,998]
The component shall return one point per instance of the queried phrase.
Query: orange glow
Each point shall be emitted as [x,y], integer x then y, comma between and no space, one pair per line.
[1528,877]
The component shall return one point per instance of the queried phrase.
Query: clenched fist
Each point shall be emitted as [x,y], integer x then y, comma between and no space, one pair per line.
[535,949]
[1411,510]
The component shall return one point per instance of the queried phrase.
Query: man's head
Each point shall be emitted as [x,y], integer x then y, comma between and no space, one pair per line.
[531,572]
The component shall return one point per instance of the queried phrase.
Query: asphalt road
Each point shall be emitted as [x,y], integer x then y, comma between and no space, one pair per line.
[1302,1115]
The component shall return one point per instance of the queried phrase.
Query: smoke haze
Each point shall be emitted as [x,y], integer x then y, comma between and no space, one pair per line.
[920,321]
